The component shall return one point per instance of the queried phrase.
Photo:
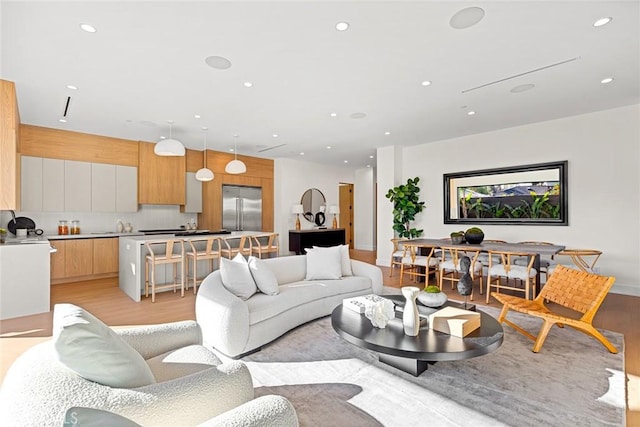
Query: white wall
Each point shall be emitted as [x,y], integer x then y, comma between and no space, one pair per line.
[294,177]
[364,209]
[389,175]
[604,183]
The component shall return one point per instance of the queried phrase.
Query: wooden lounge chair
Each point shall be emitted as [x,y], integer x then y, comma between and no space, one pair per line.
[578,290]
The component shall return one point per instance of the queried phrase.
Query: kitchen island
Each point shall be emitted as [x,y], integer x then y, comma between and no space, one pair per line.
[132,253]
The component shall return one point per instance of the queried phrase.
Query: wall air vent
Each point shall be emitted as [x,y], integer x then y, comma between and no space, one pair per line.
[67,104]
[271,148]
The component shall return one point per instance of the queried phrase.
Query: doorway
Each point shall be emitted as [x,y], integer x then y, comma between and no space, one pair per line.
[346,211]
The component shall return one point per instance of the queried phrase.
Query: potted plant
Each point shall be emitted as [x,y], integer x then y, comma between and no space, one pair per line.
[457,237]
[3,235]
[432,296]
[406,205]
[474,236]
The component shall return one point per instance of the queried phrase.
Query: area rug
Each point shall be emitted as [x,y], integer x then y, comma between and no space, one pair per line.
[573,381]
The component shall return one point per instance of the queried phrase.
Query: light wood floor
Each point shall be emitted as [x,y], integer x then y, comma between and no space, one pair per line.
[104,299]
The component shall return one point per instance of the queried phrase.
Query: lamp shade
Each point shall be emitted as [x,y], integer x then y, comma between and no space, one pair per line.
[235,167]
[204,174]
[297,209]
[169,147]
[333,209]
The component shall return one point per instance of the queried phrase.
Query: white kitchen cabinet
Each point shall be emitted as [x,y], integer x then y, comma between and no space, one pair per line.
[126,189]
[31,184]
[53,185]
[103,187]
[194,194]
[77,186]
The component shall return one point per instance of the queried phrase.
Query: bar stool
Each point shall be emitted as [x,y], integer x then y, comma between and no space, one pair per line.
[211,252]
[160,257]
[265,244]
[229,249]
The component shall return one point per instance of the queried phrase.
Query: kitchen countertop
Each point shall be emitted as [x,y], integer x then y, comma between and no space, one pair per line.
[91,235]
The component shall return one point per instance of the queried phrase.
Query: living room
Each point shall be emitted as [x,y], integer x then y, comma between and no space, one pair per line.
[595,129]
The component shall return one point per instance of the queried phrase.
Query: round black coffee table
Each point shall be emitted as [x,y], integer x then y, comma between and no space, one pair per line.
[413,354]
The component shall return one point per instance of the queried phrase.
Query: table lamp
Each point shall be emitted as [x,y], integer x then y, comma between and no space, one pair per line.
[297,209]
[334,210]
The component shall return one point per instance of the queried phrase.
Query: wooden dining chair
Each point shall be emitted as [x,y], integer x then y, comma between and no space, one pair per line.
[583,259]
[579,291]
[161,252]
[449,266]
[507,274]
[416,265]
[396,254]
[233,245]
[545,262]
[265,244]
[205,249]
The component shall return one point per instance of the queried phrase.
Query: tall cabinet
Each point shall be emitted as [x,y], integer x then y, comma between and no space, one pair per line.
[9,142]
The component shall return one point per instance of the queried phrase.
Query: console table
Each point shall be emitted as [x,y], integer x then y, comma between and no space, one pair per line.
[301,239]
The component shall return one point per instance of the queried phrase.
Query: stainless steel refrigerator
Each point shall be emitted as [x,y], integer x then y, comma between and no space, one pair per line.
[241,208]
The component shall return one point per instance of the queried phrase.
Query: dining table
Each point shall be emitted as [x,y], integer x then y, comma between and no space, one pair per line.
[526,248]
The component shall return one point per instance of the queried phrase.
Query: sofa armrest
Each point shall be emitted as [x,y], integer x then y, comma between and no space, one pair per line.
[222,316]
[153,340]
[373,272]
[270,410]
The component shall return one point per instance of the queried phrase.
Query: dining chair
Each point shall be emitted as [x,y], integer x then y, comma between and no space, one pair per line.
[415,265]
[484,256]
[507,269]
[545,262]
[449,266]
[397,253]
[265,244]
[205,249]
[233,245]
[583,259]
[580,291]
[161,252]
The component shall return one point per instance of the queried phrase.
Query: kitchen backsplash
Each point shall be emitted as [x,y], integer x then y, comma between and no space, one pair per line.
[147,217]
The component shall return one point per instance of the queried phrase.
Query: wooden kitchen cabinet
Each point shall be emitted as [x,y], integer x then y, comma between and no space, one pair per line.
[52,185]
[9,146]
[194,194]
[31,184]
[78,259]
[77,186]
[126,189]
[161,179]
[103,187]
[105,256]
[57,259]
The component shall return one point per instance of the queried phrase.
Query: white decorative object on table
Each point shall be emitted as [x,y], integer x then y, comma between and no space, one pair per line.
[432,299]
[380,312]
[410,317]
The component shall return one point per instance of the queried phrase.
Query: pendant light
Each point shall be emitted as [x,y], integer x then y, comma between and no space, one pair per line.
[169,147]
[204,174]
[235,166]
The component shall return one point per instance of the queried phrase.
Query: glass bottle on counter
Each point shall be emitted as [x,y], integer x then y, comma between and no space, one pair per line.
[75,227]
[63,227]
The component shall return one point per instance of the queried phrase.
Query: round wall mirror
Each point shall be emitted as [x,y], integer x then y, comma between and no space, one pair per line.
[313,203]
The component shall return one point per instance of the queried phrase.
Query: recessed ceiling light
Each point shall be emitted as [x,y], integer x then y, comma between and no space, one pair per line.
[196,116]
[425,83]
[218,62]
[358,115]
[342,26]
[62,120]
[334,114]
[368,166]
[328,147]
[522,88]
[72,87]
[231,150]
[302,153]
[607,80]
[466,18]
[471,113]
[602,21]
[275,135]
[371,157]
[346,161]
[387,133]
[162,137]
[88,28]
[248,84]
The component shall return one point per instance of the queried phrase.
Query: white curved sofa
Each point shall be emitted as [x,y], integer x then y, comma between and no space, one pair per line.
[236,327]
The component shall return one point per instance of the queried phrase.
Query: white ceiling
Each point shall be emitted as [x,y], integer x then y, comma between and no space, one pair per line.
[145,65]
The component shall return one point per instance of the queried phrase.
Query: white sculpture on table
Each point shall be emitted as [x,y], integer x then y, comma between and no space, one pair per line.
[380,312]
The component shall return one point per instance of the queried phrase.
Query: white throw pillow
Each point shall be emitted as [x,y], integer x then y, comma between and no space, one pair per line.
[324,263]
[264,278]
[237,278]
[345,260]
[91,349]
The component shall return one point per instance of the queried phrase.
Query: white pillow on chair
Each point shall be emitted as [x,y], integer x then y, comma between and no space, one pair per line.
[265,279]
[91,349]
[324,263]
[237,278]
